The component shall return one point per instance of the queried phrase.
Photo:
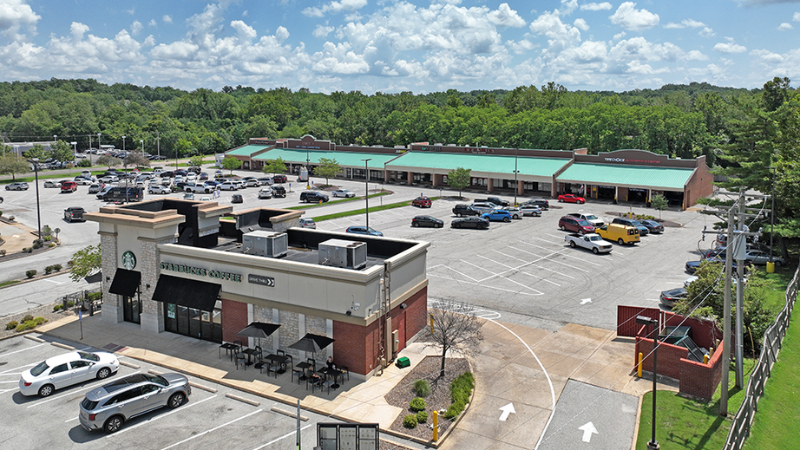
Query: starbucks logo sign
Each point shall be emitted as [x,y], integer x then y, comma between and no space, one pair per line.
[128,260]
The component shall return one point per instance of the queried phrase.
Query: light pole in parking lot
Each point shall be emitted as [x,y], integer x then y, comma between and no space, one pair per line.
[98,142]
[516,187]
[366,185]
[643,320]
[308,171]
[74,150]
[35,162]
[142,142]
[123,143]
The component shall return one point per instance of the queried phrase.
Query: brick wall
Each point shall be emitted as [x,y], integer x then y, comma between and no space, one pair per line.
[416,314]
[622,194]
[699,185]
[669,357]
[701,380]
[234,319]
[356,346]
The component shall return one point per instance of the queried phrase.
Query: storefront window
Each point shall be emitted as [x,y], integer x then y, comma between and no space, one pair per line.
[205,325]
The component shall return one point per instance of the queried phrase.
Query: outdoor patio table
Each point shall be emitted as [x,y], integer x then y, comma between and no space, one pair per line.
[303,366]
[278,360]
[335,373]
[250,352]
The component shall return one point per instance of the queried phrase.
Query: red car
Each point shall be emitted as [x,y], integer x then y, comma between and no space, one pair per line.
[422,202]
[69,186]
[568,223]
[571,198]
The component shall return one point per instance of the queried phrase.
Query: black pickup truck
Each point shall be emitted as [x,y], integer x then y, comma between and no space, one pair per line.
[494,200]
[74,213]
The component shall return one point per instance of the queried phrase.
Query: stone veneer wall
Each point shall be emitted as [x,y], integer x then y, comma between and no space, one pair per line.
[264,315]
[112,309]
[152,311]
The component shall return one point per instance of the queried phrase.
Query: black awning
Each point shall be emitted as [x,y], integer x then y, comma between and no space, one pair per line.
[184,292]
[125,282]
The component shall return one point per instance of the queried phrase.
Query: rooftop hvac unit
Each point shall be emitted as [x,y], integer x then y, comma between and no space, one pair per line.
[341,253]
[265,243]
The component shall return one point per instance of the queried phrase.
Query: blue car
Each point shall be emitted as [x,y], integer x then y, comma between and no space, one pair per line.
[364,230]
[497,215]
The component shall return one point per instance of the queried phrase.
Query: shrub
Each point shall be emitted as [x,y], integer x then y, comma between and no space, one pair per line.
[422,388]
[27,318]
[30,273]
[422,417]
[51,245]
[48,269]
[2,253]
[70,304]
[460,391]
[48,238]
[410,421]
[39,320]
[37,243]
[58,307]
[57,267]
[417,404]
[95,296]
[24,326]
[84,163]
[11,325]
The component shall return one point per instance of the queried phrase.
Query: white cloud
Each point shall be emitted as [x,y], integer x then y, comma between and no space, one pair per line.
[322,31]
[504,16]
[78,30]
[686,23]
[559,35]
[730,47]
[580,23]
[796,17]
[696,55]
[630,18]
[596,6]
[136,27]
[246,32]
[131,11]
[14,14]
[785,26]
[339,58]
[767,56]
[520,47]
[149,41]
[335,7]
[152,23]
[166,18]
[706,32]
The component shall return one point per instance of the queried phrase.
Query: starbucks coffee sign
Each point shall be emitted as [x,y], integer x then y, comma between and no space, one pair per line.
[128,260]
[216,274]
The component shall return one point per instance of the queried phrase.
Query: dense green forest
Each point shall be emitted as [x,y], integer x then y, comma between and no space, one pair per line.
[751,136]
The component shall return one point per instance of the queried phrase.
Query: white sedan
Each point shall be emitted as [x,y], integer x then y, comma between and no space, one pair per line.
[65,370]
[156,189]
[343,193]
[52,184]
[109,179]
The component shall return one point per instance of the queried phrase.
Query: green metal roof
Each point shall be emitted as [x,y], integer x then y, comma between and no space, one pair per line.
[609,175]
[354,159]
[247,150]
[542,167]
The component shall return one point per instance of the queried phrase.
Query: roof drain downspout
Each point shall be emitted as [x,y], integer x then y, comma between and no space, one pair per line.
[385,322]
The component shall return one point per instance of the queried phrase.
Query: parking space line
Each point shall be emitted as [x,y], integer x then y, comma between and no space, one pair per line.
[213,429]
[91,386]
[23,350]
[543,279]
[510,280]
[163,415]
[483,285]
[563,254]
[463,275]
[289,434]
[554,261]
[5,372]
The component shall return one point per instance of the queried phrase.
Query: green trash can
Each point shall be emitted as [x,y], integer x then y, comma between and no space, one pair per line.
[403,362]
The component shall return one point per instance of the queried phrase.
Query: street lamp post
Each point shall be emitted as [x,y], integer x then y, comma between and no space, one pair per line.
[772,213]
[643,320]
[35,162]
[516,183]
[142,142]
[158,144]
[99,147]
[74,150]
[308,171]
[123,143]
[366,185]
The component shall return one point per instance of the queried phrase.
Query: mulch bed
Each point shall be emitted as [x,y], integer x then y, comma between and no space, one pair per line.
[439,398]
[45,311]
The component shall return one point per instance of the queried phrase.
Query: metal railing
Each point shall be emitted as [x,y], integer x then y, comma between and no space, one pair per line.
[773,340]
[80,301]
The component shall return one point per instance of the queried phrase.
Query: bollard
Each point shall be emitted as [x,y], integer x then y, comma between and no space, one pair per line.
[431,323]
[91,308]
[435,426]
[639,371]
[705,359]
[64,301]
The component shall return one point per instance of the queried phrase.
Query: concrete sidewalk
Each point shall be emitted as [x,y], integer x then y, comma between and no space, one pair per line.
[505,372]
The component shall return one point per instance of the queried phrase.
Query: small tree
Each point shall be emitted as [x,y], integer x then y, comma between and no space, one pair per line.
[196,161]
[231,163]
[327,168]
[108,161]
[85,262]
[660,203]
[455,327]
[13,164]
[62,151]
[458,178]
[37,151]
[136,159]
[274,166]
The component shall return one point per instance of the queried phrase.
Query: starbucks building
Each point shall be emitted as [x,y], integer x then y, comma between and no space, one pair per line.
[198,269]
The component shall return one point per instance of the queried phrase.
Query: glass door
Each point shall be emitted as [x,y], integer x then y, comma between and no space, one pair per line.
[132,309]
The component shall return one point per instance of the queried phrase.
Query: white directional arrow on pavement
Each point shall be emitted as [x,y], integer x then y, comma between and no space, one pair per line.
[508,409]
[585,301]
[588,429]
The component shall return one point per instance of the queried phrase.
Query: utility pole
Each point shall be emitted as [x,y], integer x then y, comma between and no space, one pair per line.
[158,144]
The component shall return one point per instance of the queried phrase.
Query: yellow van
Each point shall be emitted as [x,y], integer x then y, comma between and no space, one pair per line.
[622,234]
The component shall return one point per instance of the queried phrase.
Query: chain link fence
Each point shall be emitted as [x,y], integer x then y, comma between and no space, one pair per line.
[773,339]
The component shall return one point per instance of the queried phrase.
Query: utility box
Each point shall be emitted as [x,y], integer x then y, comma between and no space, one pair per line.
[403,362]
[344,254]
[265,243]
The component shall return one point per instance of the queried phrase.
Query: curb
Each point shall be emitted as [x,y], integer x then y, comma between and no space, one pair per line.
[243,400]
[288,413]
[28,280]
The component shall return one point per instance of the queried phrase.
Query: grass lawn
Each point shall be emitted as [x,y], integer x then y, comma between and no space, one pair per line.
[779,408]
[8,283]
[364,210]
[351,199]
[688,424]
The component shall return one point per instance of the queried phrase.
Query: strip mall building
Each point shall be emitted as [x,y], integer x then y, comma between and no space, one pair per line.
[621,175]
[198,269]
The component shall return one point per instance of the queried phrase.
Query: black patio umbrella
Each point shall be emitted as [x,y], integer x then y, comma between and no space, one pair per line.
[258,330]
[312,343]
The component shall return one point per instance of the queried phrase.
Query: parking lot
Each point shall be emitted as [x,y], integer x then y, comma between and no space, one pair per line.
[206,420]
[524,270]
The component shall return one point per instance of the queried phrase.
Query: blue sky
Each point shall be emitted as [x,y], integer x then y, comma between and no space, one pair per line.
[408,45]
